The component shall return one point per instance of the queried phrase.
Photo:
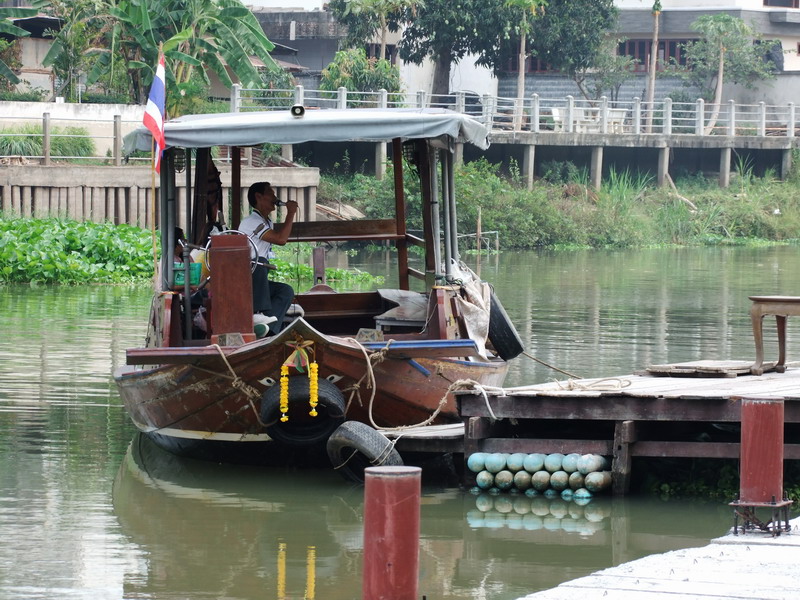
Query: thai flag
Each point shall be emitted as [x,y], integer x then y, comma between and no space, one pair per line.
[154,112]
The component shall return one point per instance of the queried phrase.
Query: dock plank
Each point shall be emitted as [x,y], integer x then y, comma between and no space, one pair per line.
[745,567]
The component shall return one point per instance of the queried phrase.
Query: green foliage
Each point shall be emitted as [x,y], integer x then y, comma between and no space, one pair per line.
[26,140]
[116,42]
[352,69]
[585,24]
[446,31]
[562,211]
[560,172]
[9,30]
[70,252]
[743,59]
[36,95]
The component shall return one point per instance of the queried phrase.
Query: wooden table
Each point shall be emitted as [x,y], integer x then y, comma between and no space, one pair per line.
[782,307]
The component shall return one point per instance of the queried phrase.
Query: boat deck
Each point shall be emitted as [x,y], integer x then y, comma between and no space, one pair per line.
[682,410]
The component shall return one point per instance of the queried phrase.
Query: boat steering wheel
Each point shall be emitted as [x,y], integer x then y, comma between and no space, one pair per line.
[253,249]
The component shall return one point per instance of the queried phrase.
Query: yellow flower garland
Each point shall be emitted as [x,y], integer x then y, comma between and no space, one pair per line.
[284,406]
[313,388]
[298,359]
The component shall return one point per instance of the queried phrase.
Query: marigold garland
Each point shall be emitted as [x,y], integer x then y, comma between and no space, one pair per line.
[284,404]
[313,388]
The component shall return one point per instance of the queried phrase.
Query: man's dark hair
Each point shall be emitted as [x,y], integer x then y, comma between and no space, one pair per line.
[257,188]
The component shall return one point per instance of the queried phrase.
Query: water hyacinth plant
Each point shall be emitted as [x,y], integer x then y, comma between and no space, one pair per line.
[70,252]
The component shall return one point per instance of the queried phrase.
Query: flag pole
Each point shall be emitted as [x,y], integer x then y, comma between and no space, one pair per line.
[154,116]
[153,206]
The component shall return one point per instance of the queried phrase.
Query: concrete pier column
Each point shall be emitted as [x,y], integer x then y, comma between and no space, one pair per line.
[724,167]
[786,164]
[380,148]
[528,163]
[380,160]
[596,168]
[663,165]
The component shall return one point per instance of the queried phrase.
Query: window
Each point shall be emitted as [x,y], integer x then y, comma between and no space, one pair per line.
[669,51]
[783,3]
[373,50]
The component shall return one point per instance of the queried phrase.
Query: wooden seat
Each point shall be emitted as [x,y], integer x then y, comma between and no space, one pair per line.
[782,307]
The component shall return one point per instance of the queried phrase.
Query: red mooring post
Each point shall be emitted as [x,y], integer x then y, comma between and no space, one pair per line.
[391,533]
[761,469]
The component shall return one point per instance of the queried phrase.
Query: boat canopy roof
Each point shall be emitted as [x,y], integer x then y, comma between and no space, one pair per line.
[320,125]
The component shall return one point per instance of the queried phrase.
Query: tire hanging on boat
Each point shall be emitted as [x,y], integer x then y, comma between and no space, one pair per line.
[354,446]
[502,333]
[302,429]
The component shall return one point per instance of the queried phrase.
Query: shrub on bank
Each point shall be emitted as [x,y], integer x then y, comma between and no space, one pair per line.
[628,211]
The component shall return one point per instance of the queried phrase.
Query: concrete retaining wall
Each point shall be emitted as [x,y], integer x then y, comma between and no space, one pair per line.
[124,194]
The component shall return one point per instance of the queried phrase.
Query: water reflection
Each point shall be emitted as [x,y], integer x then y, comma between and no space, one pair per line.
[212,531]
[180,529]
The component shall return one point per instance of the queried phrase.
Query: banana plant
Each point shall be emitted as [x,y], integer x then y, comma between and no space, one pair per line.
[7,28]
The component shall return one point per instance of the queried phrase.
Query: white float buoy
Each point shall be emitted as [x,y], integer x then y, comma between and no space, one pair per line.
[552,462]
[534,462]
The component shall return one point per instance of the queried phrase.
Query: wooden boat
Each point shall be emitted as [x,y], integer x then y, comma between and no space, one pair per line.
[361,361]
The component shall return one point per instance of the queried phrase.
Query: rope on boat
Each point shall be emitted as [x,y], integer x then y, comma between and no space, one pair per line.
[240,384]
[375,358]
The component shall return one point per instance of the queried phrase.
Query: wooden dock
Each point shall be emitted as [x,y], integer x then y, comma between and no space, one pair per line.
[742,567]
[684,410]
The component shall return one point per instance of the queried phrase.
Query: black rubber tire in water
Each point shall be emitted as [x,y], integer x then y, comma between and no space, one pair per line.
[502,333]
[354,446]
[302,429]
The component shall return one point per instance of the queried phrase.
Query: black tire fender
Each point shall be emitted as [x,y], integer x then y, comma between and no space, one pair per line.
[354,446]
[302,429]
[502,333]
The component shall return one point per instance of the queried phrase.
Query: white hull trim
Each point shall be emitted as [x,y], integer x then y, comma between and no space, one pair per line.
[207,435]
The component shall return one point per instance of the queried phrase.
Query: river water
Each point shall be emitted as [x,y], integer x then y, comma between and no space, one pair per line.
[90,510]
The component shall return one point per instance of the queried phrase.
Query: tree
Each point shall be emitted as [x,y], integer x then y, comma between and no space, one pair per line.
[570,35]
[9,29]
[196,36]
[527,9]
[652,66]
[381,10]
[352,69]
[727,49]
[609,71]
[69,54]
[447,30]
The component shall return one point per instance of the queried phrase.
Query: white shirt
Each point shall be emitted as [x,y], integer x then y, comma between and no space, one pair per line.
[254,225]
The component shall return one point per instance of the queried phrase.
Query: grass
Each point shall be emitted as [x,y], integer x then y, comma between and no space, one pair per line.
[28,140]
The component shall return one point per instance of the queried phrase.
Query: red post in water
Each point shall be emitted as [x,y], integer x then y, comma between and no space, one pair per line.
[391,533]
[761,469]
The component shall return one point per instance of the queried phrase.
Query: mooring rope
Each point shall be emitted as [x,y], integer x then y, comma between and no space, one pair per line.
[549,366]
[605,384]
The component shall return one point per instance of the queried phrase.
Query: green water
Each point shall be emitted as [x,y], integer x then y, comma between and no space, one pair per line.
[89,510]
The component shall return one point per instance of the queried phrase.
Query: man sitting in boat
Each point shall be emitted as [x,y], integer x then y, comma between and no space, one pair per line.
[270,298]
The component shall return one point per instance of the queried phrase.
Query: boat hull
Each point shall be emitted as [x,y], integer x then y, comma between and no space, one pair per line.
[210,406]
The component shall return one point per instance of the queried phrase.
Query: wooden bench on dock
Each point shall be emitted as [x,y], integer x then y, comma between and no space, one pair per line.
[626,417]
[781,307]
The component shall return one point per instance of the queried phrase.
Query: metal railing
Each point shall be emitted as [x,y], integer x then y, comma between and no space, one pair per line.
[565,115]
[533,114]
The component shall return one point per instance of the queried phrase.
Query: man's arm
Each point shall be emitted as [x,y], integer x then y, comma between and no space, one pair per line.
[280,232]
